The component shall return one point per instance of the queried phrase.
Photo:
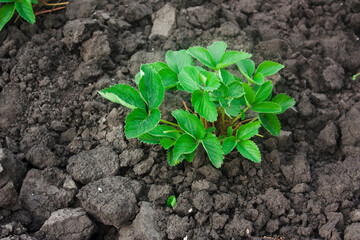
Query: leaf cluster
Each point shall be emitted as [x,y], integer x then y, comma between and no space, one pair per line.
[23,7]
[220,102]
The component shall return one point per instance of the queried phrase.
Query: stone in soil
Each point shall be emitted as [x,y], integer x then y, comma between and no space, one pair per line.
[163,21]
[160,193]
[78,30]
[42,157]
[276,202]
[145,225]
[202,201]
[9,197]
[352,232]
[45,191]
[97,48]
[80,8]
[11,169]
[89,166]
[111,200]
[130,157]
[350,131]
[238,226]
[177,227]
[68,223]
[327,139]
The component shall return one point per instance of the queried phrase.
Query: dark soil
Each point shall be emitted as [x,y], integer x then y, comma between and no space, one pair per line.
[68,172]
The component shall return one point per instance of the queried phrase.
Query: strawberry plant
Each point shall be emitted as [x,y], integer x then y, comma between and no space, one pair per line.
[221,102]
[23,7]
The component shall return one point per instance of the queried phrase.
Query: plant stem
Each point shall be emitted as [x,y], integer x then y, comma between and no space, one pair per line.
[56,4]
[239,115]
[169,123]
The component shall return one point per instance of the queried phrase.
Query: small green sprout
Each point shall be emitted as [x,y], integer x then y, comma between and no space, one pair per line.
[220,102]
[355,76]
[23,7]
[171,202]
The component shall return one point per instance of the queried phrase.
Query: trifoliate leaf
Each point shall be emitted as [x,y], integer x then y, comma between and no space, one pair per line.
[236,90]
[203,56]
[247,131]
[124,95]
[229,144]
[6,12]
[189,78]
[249,94]
[151,87]
[139,122]
[25,10]
[270,123]
[226,77]
[166,143]
[213,148]
[268,68]
[258,78]
[189,123]
[231,57]
[165,131]
[203,105]
[168,78]
[217,50]
[177,60]
[284,101]
[263,91]
[149,139]
[185,144]
[249,150]
[266,107]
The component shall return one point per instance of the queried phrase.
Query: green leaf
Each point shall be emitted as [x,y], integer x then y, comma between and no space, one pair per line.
[284,101]
[268,68]
[185,144]
[217,50]
[189,78]
[271,123]
[151,87]
[236,90]
[213,148]
[24,8]
[124,95]
[6,12]
[171,160]
[7,1]
[249,94]
[139,122]
[189,157]
[222,91]
[189,123]
[203,56]
[148,138]
[248,130]
[246,67]
[235,108]
[168,77]
[171,202]
[226,77]
[177,60]
[229,131]
[249,150]
[34,1]
[166,143]
[162,130]
[229,144]
[210,129]
[258,78]
[212,82]
[231,57]
[203,105]
[266,107]
[263,91]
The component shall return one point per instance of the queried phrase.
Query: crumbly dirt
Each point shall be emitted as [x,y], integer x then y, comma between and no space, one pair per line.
[54,125]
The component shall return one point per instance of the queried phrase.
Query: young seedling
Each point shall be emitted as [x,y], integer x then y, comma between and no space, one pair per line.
[355,76]
[171,202]
[220,102]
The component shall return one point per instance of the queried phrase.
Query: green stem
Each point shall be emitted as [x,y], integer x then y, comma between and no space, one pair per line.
[239,115]
[222,118]
[169,123]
